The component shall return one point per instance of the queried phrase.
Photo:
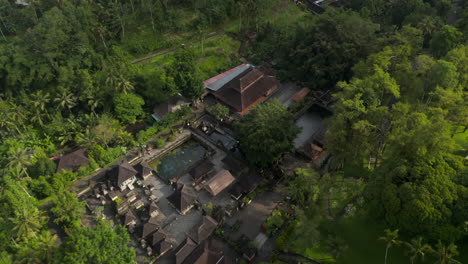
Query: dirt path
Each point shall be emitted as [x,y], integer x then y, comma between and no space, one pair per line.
[162,52]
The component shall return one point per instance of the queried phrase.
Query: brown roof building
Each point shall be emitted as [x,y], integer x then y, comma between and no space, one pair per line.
[159,244]
[203,230]
[185,251]
[123,174]
[73,161]
[162,248]
[301,94]
[157,237]
[183,199]
[153,210]
[144,170]
[246,183]
[148,229]
[246,89]
[200,171]
[219,182]
[235,166]
[209,252]
[130,218]
[170,106]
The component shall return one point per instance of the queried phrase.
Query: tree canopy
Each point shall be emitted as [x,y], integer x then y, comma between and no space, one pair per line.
[104,244]
[266,132]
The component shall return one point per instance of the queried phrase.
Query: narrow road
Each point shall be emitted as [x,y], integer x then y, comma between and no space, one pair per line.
[162,52]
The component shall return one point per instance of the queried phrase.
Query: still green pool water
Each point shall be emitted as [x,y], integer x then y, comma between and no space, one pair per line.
[178,160]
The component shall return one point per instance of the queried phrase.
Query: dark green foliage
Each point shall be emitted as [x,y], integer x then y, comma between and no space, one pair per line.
[42,167]
[444,40]
[156,87]
[185,73]
[128,107]
[323,52]
[105,244]
[163,125]
[266,132]
[5,258]
[414,188]
[219,111]
[41,187]
[213,11]
[103,156]
[67,210]
[160,143]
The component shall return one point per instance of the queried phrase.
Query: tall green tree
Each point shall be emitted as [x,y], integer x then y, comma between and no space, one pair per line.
[444,40]
[27,223]
[185,73]
[446,254]
[104,244]
[391,239]
[65,99]
[266,132]
[325,51]
[67,210]
[414,188]
[128,107]
[416,248]
[362,118]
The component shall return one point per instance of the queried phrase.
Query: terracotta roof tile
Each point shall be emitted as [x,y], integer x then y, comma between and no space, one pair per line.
[182,198]
[219,182]
[203,230]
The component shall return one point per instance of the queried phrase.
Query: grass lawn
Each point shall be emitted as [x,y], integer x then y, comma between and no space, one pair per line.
[220,53]
[364,246]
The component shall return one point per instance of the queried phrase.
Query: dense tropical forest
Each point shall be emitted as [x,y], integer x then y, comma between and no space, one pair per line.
[70,77]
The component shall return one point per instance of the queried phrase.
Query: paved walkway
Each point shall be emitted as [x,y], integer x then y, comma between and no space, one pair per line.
[255,214]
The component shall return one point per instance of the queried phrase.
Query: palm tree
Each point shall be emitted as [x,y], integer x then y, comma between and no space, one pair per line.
[10,116]
[65,138]
[86,139]
[117,81]
[18,159]
[26,223]
[93,103]
[416,248]
[391,239]
[65,99]
[125,86]
[28,254]
[18,173]
[446,254]
[48,245]
[40,100]
[38,118]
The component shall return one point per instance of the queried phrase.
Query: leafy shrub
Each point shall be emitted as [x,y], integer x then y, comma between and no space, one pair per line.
[219,111]
[102,157]
[163,125]
[42,167]
[274,222]
[41,187]
[160,143]
[208,208]
[171,137]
